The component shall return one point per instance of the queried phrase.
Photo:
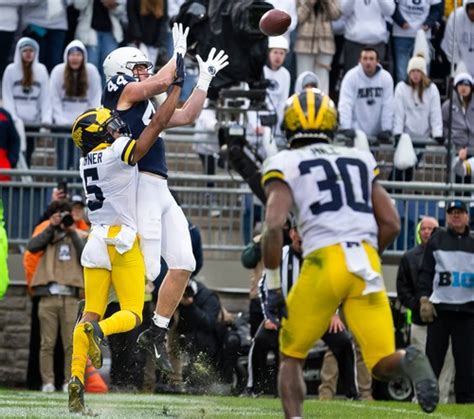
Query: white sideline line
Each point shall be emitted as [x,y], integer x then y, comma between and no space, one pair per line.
[363,405]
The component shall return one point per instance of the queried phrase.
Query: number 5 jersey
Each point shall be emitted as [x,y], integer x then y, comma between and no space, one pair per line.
[332,193]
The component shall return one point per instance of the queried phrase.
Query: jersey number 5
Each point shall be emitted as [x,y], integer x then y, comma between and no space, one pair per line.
[93,174]
[331,184]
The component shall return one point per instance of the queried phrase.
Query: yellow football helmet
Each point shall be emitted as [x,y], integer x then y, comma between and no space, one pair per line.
[310,115]
[95,126]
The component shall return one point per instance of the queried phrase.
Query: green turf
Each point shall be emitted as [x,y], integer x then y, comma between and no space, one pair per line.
[34,404]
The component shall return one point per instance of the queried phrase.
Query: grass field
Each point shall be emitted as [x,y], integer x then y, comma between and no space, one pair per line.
[34,404]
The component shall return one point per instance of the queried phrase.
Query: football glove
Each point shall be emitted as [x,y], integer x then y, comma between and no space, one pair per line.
[276,306]
[179,73]
[209,68]
[179,39]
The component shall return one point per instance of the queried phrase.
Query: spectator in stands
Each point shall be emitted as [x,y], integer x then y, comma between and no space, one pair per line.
[315,45]
[75,86]
[9,18]
[306,80]
[407,291]
[147,27]
[366,98]
[25,88]
[99,28]
[463,39]
[462,118]
[46,23]
[366,25]
[59,281]
[417,111]
[9,143]
[279,78]
[447,298]
[408,19]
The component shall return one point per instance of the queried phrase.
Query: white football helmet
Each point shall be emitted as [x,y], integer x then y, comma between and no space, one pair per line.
[123,60]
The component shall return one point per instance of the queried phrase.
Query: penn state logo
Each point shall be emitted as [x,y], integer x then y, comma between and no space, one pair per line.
[212,70]
[273,85]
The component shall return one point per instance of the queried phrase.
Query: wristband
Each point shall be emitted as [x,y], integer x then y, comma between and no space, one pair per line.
[203,82]
[273,278]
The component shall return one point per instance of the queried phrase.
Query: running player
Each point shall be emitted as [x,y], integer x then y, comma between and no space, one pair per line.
[162,225]
[111,255]
[345,219]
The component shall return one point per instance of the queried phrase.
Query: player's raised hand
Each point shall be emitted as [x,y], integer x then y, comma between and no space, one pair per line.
[209,68]
[179,39]
[179,73]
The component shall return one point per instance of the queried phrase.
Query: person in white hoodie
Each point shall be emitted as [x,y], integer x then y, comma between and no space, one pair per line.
[365,25]
[25,88]
[75,86]
[366,98]
[463,38]
[417,111]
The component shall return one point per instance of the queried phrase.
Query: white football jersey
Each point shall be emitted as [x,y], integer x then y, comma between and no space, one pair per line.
[110,182]
[332,193]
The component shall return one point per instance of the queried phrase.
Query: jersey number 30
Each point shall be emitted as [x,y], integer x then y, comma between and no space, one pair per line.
[93,174]
[331,184]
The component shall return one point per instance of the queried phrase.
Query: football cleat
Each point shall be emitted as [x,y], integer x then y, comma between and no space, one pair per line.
[154,341]
[416,366]
[96,336]
[76,395]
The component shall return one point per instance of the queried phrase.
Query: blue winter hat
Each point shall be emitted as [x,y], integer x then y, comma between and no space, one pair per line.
[456,204]
[26,43]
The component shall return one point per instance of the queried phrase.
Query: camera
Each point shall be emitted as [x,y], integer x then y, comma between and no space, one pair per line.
[66,219]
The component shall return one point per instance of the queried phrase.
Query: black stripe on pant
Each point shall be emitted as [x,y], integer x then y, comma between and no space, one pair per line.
[460,327]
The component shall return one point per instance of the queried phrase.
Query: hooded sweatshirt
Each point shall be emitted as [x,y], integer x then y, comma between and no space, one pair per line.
[365,20]
[67,108]
[464,37]
[306,77]
[419,119]
[366,103]
[31,105]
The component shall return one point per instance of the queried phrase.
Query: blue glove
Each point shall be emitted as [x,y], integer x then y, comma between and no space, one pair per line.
[179,73]
[276,306]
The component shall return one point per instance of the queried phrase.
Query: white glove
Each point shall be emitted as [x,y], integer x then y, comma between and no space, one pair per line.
[179,39]
[208,69]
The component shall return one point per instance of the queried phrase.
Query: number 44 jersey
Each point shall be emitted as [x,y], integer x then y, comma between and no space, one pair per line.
[110,181]
[332,193]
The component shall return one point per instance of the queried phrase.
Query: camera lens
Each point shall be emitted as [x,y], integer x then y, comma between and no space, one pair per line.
[67,220]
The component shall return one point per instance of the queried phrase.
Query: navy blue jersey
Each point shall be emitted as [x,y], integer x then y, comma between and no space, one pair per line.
[137,118]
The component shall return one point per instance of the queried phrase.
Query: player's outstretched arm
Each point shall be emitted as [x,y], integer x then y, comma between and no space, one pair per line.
[207,71]
[161,118]
[159,82]
[386,215]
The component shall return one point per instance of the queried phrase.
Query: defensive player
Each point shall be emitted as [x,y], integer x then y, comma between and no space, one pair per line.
[346,219]
[162,226]
[111,255]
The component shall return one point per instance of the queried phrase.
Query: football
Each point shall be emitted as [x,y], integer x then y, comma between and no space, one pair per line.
[274,22]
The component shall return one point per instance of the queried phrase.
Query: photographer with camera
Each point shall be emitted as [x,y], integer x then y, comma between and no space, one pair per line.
[58,280]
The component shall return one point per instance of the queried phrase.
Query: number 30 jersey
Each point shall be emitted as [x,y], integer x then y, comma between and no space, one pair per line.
[110,182]
[137,118]
[332,193]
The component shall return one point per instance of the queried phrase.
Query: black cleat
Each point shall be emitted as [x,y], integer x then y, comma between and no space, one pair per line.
[154,341]
[76,395]
[416,366]
[96,336]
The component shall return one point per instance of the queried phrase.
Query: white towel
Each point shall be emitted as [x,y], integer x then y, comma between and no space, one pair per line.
[359,264]
[124,240]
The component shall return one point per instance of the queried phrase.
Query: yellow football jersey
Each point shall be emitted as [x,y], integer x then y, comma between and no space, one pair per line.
[332,190]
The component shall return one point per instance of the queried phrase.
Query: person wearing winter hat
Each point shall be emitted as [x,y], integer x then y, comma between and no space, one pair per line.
[417,111]
[305,80]
[25,88]
[75,86]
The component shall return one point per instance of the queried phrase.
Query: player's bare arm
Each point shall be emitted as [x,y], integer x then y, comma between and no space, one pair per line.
[279,202]
[386,215]
[207,71]
[160,120]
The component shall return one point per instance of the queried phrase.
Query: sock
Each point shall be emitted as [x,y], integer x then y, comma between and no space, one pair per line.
[80,346]
[119,322]
[161,321]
